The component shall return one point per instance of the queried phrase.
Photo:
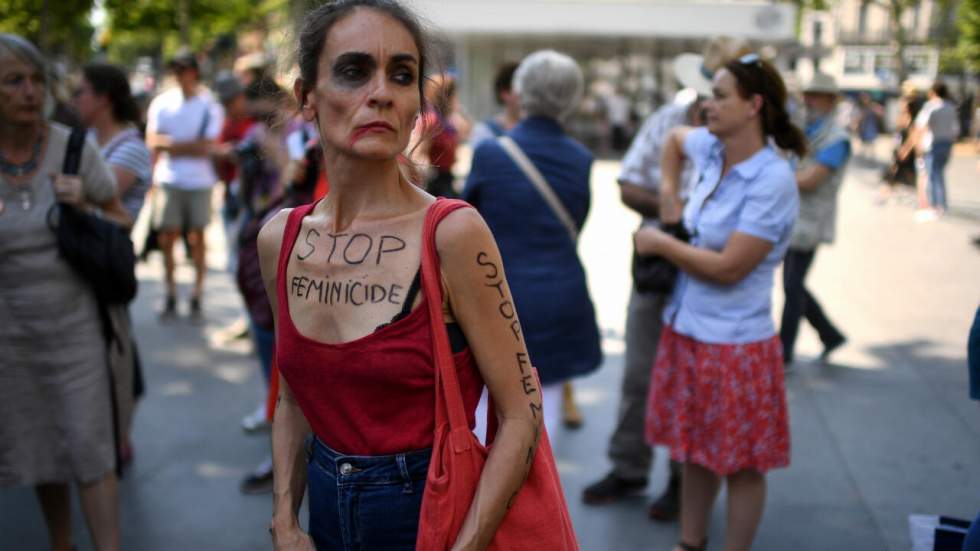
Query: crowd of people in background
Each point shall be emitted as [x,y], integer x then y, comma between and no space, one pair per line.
[728,188]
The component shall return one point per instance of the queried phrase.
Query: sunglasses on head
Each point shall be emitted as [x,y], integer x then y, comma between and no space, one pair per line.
[750,59]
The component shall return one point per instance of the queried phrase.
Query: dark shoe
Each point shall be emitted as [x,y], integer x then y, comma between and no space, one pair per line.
[195,308]
[169,308]
[258,481]
[830,347]
[612,488]
[668,506]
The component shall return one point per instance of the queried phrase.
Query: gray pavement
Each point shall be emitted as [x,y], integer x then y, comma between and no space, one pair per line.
[885,430]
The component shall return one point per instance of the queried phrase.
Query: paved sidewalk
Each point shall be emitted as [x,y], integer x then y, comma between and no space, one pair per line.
[884,431]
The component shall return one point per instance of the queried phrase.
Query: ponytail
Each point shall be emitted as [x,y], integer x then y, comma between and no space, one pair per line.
[786,134]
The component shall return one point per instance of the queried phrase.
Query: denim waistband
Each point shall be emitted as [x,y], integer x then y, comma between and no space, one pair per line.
[369,469]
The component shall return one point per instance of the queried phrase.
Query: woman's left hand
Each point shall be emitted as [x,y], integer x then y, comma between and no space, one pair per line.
[650,240]
[68,189]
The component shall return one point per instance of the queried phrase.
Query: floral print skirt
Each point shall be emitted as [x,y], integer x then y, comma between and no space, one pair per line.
[721,406]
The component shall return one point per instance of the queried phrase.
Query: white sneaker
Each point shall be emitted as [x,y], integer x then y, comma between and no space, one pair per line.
[926,215]
[256,421]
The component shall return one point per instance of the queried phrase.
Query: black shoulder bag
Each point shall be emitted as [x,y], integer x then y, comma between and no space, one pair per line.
[654,273]
[99,250]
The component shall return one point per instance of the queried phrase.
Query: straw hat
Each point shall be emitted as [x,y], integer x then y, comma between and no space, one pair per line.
[821,83]
[696,70]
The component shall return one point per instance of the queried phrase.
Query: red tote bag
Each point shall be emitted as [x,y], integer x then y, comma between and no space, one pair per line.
[538,518]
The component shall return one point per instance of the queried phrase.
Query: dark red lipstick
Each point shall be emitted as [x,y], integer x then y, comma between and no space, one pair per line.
[369,128]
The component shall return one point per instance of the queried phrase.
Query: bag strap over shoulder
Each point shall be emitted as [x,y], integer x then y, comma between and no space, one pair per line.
[517,155]
[205,120]
[449,398]
[73,152]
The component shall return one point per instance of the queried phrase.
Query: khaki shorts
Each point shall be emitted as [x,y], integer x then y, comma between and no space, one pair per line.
[175,208]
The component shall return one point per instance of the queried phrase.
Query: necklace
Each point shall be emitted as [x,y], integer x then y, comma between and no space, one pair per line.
[21,169]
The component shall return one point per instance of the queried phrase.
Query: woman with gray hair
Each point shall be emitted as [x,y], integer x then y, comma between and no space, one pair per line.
[532,188]
[55,409]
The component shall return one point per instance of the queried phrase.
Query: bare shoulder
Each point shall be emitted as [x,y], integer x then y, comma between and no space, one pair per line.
[461,231]
[270,236]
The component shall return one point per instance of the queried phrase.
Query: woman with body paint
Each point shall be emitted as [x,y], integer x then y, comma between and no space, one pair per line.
[356,367]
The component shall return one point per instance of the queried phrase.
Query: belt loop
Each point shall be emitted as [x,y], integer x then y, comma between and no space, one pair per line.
[403,469]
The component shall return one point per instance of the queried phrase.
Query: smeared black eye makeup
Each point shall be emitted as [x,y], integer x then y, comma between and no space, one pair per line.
[353,68]
[402,69]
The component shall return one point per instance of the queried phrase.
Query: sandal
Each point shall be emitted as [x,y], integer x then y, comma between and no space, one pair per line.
[689,547]
[571,416]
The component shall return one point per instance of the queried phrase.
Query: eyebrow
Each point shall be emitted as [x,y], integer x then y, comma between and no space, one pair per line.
[402,58]
[354,57]
[364,57]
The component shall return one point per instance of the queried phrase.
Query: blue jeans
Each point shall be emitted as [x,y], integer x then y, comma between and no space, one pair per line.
[265,346]
[936,159]
[365,503]
[972,541]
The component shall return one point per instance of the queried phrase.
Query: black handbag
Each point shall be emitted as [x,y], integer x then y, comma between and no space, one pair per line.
[654,273]
[99,250]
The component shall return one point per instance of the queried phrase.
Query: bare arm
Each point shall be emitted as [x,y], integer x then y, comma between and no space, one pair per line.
[69,190]
[163,143]
[911,141]
[639,199]
[124,179]
[810,178]
[484,308]
[741,254]
[113,210]
[670,174]
[289,426]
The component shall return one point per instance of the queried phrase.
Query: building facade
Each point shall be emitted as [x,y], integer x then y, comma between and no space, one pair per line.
[855,42]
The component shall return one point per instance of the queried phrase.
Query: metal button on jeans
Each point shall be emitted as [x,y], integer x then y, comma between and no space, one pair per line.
[346,468]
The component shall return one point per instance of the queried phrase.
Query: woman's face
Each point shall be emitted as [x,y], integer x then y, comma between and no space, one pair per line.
[87,103]
[21,92]
[727,112]
[366,96]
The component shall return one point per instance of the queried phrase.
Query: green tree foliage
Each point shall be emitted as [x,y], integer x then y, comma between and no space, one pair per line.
[153,27]
[968,20]
[55,26]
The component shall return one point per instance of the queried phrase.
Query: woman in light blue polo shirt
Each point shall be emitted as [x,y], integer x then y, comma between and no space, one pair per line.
[717,397]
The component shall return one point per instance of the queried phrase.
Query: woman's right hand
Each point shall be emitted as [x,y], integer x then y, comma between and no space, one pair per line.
[291,540]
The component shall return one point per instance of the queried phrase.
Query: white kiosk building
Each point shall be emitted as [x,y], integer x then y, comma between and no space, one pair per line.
[623,45]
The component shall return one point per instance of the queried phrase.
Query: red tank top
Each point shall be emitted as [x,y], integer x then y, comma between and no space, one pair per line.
[374,395]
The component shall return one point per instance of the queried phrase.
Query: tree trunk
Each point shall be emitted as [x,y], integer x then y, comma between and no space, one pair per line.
[42,35]
[183,23]
[899,40]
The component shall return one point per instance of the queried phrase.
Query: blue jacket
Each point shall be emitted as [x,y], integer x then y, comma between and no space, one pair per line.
[973,357]
[540,260]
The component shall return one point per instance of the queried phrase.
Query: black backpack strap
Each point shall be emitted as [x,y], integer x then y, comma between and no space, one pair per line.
[203,129]
[73,152]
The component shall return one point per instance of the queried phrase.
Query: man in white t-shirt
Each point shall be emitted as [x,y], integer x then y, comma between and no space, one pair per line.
[182,126]
[936,128]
